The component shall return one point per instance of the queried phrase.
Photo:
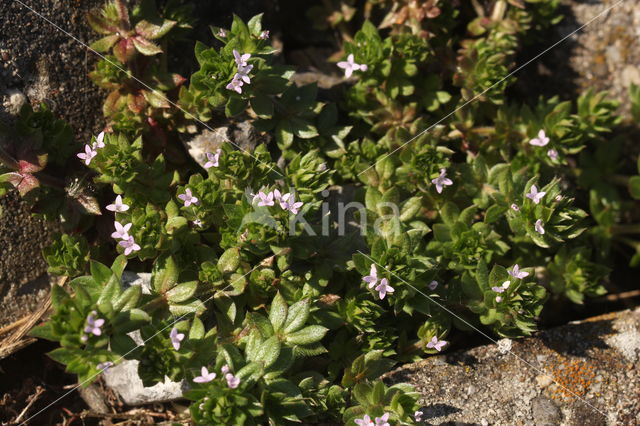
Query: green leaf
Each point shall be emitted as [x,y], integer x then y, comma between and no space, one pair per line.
[151,31]
[306,336]
[128,299]
[278,312]
[284,134]
[196,332]
[297,316]
[165,274]
[44,331]
[269,351]
[100,273]
[182,292]
[262,105]
[118,266]
[105,43]
[229,261]
[634,187]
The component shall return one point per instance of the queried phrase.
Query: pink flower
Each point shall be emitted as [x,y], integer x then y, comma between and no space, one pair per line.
[88,154]
[176,338]
[232,381]
[225,369]
[515,272]
[122,232]
[349,66]
[436,344]
[188,198]
[383,288]
[441,181]
[235,85]
[433,285]
[265,199]
[241,60]
[99,143]
[94,326]
[222,33]
[382,421]
[205,376]
[213,159]
[118,206]
[501,288]
[541,140]
[534,195]
[129,246]
[264,35]
[553,154]
[287,202]
[365,421]
[538,227]
[515,207]
[418,416]
[372,278]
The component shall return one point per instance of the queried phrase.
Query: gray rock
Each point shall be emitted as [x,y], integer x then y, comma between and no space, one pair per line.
[581,373]
[545,412]
[123,378]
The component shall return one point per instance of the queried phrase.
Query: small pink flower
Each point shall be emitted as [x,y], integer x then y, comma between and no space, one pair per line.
[515,272]
[176,338]
[372,278]
[383,288]
[541,140]
[241,60]
[436,344]
[498,299]
[213,159]
[222,33]
[515,207]
[349,66]
[418,416]
[364,421]
[553,154]
[205,376]
[88,154]
[225,369]
[232,381]
[104,365]
[383,421]
[235,85]
[99,143]
[505,285]
[264,35]
[534,195]
[94,326]
[433,285]
[188,198]
[122,232]
[538,227]
[129,246]
[441,181]
[118,206]
[288,202]
[266,200]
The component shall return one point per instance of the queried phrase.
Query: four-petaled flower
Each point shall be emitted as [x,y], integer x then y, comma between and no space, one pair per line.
[265,199]
[372,278]
[534,195]
[205,376]
[241,60]
[418,416]
[225,369]
[515,272]
[232,381]
[103,366]
[99,143]
[541,140]
[383,288]
[94,326]
[129,246]
[553,154]
[436,344]
[502,288]
[235,85]
[243,74]
[198,223]
[288,202]
[118,206]
[176,338]
[538,227]
[433,285]
[188,198]
[383,421]
[222,33]
[365,421]
[441,181]
[122,232]
[515,207]
[213,159]
[88,154]
[264,35]
[349,66]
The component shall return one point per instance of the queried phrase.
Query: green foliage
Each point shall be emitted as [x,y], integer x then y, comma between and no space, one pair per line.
[269,292]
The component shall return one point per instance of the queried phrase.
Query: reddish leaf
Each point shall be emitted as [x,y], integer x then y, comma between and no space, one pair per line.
[136,103]
[124,50]
[100,24]
[123,14]
[105,43]
[24,182]
[28,167]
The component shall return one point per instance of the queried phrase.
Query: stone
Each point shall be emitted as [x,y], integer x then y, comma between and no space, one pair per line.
[123,378]
[545,412]
[584,372]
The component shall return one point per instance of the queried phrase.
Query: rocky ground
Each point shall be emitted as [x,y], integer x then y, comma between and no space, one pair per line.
[583,373]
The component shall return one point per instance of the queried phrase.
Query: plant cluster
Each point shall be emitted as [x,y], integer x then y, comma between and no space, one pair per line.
[269,311]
